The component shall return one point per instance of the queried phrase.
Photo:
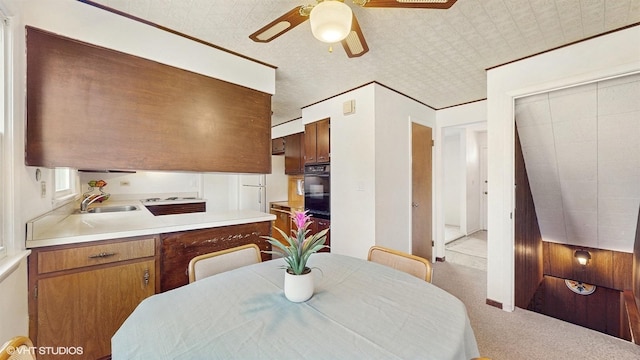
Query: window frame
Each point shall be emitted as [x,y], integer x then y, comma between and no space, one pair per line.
[70,191]
[5,151]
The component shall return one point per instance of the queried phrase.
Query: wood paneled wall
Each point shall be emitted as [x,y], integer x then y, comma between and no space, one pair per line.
[528,241]
[611,269]
[90,107]
[636,264]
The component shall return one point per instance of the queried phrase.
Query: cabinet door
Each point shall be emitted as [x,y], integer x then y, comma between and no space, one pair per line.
[85,309]
[179,248]
[281,222]
[230,119]
[278,146]
[293,162]
[322,141]
[318,225]
[310,143]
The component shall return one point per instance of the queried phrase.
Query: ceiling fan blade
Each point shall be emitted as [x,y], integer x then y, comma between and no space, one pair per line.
[422,4]
[279,26]
[354,44]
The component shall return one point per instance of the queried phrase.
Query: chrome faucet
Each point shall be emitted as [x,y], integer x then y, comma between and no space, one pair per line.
[90,200]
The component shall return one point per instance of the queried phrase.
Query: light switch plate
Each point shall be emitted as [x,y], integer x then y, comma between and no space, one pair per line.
[349,107]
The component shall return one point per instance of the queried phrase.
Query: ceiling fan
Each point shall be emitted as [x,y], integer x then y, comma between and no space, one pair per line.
[333,21]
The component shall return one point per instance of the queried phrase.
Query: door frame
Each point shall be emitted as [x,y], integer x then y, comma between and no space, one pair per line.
[438,171]
[484,187]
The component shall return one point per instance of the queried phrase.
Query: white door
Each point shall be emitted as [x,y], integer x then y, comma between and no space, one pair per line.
[485,186]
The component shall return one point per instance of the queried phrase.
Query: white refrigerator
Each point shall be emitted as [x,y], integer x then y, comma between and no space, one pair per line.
[252,192]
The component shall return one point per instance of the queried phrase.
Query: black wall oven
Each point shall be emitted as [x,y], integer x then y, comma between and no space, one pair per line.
[317,194]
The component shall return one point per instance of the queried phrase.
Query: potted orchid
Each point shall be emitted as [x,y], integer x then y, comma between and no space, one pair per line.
[298,282]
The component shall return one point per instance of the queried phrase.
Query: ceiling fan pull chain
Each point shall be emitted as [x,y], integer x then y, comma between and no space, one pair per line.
[330,48]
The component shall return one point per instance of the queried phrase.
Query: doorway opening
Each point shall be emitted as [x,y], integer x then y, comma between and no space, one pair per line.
[465,194]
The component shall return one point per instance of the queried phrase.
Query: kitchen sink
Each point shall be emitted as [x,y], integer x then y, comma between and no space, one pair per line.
[107,209]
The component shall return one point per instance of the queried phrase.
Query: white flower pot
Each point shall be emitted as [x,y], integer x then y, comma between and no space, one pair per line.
[298,288]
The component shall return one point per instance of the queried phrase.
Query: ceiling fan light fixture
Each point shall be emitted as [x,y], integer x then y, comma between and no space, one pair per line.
[331,21]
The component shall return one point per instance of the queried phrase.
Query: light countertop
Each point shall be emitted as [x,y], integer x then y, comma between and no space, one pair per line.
[293,206]
[60,227]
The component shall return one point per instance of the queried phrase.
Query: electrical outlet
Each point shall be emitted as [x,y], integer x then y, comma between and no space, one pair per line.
[125,183]
[43,189]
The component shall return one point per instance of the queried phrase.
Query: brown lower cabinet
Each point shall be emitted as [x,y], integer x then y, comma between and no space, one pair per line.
[79,295]
[180,247]
[319,225]
[282,222]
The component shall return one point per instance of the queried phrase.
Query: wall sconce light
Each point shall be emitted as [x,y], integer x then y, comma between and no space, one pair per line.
[583,256]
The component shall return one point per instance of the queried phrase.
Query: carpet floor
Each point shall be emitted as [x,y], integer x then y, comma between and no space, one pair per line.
[523,334]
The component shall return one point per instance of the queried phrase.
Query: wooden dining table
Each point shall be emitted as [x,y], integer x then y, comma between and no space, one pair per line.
[359,310]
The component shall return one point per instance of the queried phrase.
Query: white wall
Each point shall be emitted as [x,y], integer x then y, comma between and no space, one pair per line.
[13,304]
[472,181]
[352,170]
[606,56]
[461,173]
[145,182]
[370,167]
[394,114]
[217,189]
[453,172]
[288,128]
[80,21]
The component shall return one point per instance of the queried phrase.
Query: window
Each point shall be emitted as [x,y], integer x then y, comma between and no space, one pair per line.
[64,184]
[4,105]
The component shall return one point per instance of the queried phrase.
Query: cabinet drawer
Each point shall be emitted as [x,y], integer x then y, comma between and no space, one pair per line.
[71,258]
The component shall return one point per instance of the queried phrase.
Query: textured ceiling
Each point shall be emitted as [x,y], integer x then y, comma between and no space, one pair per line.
[437,57]
[582,157]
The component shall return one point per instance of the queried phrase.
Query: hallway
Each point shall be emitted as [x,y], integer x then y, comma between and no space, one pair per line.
[469,250]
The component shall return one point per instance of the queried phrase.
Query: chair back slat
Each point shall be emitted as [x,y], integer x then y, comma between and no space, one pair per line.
[411,264]
[220,261]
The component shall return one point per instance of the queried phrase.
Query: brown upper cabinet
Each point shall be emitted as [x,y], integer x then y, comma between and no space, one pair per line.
[277,146]
[294,154]
[90,107]
[316,142]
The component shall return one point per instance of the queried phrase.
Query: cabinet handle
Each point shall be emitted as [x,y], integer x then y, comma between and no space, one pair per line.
[101,255]
[146,277]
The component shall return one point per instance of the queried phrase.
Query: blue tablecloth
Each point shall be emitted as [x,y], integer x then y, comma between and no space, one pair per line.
[360,310]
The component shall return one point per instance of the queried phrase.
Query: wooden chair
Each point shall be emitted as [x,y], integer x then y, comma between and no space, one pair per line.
[18,348]
[411,264]
[223,260]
